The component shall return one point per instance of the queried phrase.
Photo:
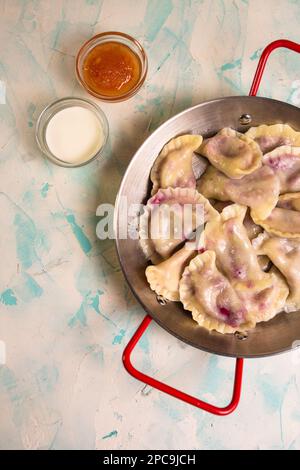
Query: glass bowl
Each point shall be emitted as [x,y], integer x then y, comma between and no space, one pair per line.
[53,108]
[102,38]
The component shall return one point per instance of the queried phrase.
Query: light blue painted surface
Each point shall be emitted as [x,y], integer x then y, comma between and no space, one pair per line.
[66,312]
[8,297]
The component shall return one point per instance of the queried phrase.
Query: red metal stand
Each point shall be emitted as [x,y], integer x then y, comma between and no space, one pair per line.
[147,320]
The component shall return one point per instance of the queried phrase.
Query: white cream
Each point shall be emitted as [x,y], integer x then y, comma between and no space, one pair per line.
[74,134]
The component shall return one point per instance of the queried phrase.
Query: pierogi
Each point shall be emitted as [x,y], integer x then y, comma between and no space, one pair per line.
[270,137]
[285,162]
[284,220]
[164,277]
[170,217]
[237,259]
[210,297]
[259,190]
[285,255]
[233,153]
[173,167]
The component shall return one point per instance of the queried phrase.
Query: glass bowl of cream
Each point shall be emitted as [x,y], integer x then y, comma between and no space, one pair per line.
[72,132]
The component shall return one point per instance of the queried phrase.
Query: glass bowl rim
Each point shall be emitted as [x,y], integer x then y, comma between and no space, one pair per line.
[131,40]
[40,127]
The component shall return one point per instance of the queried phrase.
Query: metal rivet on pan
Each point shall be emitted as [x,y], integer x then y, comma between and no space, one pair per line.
[241,336]
[161,300]
[245,119]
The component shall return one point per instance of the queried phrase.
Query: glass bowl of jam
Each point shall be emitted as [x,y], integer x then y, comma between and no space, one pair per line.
[111,66]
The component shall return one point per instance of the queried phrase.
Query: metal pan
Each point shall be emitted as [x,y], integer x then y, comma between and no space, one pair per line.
[276,336]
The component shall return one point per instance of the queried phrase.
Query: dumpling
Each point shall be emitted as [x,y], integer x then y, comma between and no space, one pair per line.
[208,294]
[259,190]
[285,255]
[270,137]
[173,166]
[170,217]
[266,302]
[237,259]
[289,201]
[164,277]
[228,238]
[285,162]
[213,184]
[252,228]
[284,220]
[281,222]
[233,153]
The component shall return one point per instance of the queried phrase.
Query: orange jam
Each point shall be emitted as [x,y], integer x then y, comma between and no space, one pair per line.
[111,69]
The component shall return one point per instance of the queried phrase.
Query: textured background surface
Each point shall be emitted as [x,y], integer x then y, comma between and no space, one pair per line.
[65,311]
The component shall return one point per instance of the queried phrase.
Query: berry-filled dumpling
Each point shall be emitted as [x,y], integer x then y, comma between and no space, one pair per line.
[259,190]
[164,277]
[227,237]
[209,296]
[285,255]
[170,217]
[262,292]
[284,220]
[285,162]
[173,166]
[233,153]
[270,137]
[289,201]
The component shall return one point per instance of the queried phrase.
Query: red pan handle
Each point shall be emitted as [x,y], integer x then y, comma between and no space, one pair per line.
[293,46]
[147,320]
[173,391]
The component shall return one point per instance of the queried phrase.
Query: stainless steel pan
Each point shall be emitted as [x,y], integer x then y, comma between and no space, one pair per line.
[273,337]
